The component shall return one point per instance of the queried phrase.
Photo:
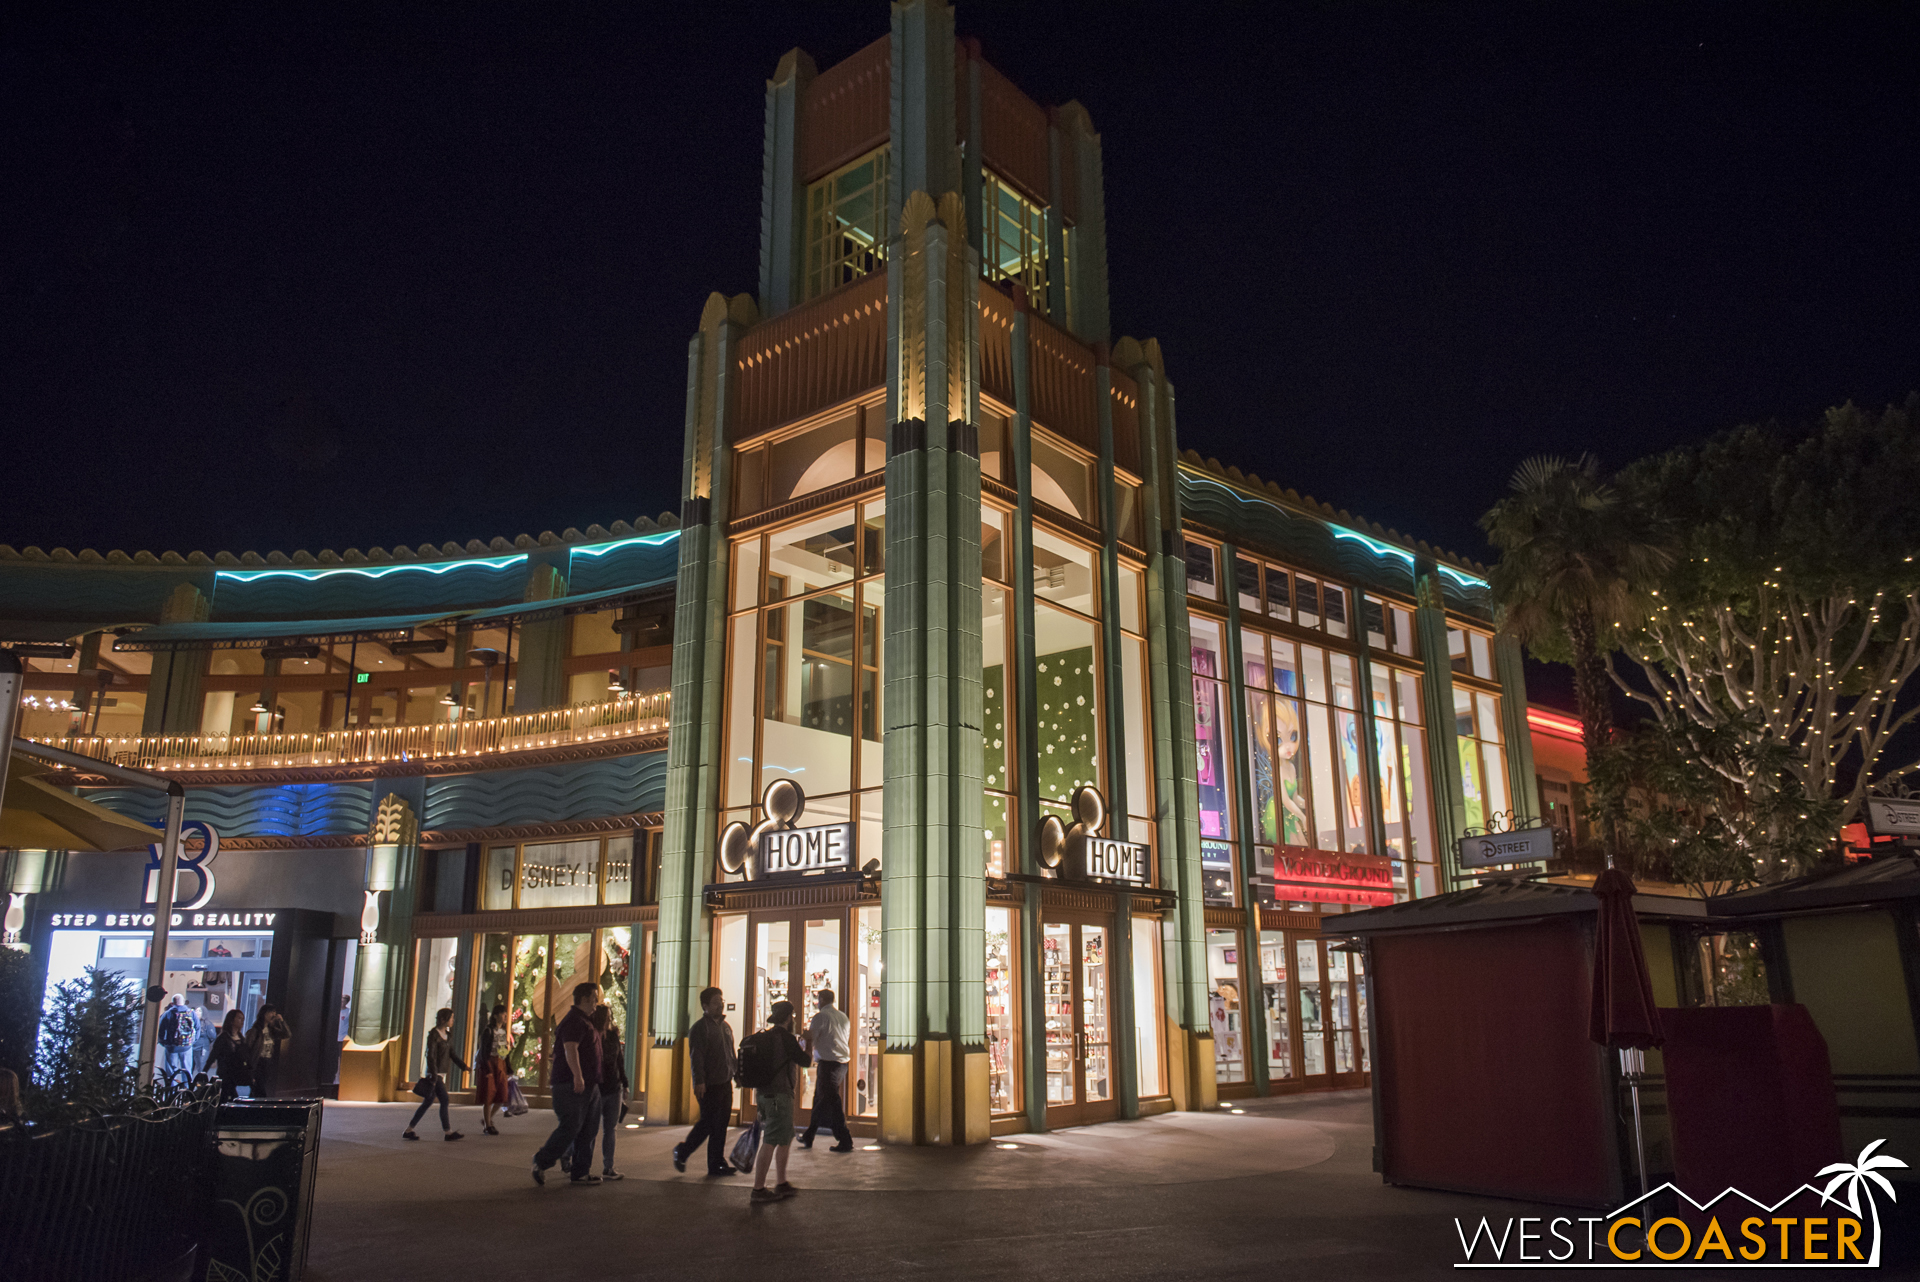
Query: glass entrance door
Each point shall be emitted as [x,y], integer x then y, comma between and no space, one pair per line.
[795,956]
[1075,970]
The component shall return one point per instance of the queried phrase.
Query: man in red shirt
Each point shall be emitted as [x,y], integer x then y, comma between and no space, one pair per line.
[576,1090]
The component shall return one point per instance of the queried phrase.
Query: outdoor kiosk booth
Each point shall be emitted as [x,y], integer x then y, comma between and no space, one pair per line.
[1484,1078]
[1845,944]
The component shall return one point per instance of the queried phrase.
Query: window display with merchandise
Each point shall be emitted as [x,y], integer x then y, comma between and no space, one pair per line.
[1002,1092]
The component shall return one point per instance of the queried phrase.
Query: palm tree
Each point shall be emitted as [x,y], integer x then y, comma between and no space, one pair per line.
[1865,1167]
[1575,561]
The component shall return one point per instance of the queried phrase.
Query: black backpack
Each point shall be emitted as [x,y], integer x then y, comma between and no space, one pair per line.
[760,1061]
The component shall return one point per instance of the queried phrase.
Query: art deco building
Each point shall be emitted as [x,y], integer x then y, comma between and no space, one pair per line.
[954,686]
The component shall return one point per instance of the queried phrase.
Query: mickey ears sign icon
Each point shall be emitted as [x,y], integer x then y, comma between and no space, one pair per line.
[783,803]
[1089,808]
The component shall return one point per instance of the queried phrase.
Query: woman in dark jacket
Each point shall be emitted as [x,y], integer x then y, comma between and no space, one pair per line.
[490,1067]
[613,1086]
[228,1058]
[267,1050]
[440,1061]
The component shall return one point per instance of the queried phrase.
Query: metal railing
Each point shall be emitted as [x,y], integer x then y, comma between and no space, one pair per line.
[628,716]
[105,1198]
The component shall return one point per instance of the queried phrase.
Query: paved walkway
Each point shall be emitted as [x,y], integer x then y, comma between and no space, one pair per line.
[1283,1189]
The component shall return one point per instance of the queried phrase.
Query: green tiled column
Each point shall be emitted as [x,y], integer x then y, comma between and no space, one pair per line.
[1170,668]
[1121,1014]
[933,1076]
[1443,750]
[1253,1012]
[1525,784]
[696,721]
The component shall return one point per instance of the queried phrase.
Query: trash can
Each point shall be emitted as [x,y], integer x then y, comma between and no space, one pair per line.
[266,1160]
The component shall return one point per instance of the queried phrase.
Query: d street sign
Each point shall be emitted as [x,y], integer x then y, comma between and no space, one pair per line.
[1084,851]
[1888,817]
[1522,846]
[775,847]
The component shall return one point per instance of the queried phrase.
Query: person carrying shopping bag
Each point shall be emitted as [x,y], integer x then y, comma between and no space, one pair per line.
[490,1067]
[770,1063]
[433,1083]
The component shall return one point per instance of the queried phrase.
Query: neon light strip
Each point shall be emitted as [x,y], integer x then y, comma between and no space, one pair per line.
[377,572]
[650,540]
[1372,545]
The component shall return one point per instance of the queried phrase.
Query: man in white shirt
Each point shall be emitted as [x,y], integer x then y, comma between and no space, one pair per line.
[827,1039]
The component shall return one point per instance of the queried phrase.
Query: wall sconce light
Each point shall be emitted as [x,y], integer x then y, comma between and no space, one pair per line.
[260,704]
[614,684]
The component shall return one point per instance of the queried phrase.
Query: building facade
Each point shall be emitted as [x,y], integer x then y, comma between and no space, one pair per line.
[954,686]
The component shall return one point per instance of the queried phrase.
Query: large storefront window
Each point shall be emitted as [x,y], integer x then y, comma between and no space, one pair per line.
[1483,774]
[1068,720]
[1305,741]
[434,976]
[1211,728]
[1003,1044]
[865,1013]
[1405,800]
[1134,700]
[1276,1000]
[1146,1007]
[1226,1006]
[997,810]
[804,680]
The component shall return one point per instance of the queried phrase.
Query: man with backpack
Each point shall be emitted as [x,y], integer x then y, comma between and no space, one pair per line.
[770,1062]
[179,1026]
[710,1056]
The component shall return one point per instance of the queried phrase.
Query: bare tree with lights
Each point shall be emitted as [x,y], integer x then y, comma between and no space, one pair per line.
[1792,617]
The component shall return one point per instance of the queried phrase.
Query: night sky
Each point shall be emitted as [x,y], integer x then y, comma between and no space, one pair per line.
[282,278]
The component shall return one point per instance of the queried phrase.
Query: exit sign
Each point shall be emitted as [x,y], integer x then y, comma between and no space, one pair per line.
[360,678]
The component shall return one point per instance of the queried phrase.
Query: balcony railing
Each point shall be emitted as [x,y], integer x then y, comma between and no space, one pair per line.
[629,716]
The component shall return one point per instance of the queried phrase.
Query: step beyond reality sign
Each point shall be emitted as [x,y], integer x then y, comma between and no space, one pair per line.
[777,847]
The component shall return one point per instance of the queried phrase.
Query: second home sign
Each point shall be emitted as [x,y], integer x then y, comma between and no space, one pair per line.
[778,847]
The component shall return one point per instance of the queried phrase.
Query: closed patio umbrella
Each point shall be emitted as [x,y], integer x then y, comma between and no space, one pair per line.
[38,816]
[1623,1015]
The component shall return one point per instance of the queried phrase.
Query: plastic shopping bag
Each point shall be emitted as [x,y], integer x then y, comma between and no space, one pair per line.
[745,1148]
[516,1101]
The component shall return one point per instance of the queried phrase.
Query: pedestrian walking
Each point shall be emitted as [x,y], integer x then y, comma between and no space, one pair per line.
[710,1056]
[439,1063]
[229,1059]
[828,1044]
[179,1026]
[613,1087]
[777,1058]
[267,1051]
[490,1067]
[203,1042]
[576,1090]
